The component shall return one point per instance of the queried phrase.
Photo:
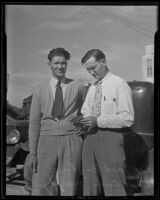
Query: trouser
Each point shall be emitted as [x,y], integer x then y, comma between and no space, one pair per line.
[59,165]
[102,164]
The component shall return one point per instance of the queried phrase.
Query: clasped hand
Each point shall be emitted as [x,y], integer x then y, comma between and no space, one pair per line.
[90,121]
[84,124]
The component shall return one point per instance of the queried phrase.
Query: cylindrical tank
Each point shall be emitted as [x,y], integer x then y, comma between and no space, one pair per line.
[143,102]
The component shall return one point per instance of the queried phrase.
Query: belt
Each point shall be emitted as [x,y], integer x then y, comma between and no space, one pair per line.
[119,130]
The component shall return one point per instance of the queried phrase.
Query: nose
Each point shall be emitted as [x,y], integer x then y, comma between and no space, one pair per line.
[92,72]
[60,65]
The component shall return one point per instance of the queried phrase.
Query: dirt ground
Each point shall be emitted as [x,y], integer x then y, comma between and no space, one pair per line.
[15,186]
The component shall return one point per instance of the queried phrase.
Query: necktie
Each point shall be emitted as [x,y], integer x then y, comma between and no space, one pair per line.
[57,110]
[96,109]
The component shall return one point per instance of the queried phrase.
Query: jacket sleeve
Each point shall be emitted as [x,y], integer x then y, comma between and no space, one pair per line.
[34,123]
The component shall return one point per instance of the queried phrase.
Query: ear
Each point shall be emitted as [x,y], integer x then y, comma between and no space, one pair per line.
[49,63]
[103,60]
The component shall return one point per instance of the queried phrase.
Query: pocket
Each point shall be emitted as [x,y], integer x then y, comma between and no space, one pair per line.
[75,143]
[41,144]
[109,105]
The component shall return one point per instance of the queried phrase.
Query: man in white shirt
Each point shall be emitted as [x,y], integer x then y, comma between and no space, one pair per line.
[108,112]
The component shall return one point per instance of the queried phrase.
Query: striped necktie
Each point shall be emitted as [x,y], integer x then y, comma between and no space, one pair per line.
[58,105]
[96,109]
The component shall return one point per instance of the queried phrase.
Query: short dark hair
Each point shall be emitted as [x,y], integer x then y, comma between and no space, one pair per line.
[96,53]
[59,52]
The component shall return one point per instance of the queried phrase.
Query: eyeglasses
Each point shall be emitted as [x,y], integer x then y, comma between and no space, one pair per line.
[92,68]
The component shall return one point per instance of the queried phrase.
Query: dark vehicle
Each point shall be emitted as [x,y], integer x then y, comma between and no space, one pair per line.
[138,142]
[17,138]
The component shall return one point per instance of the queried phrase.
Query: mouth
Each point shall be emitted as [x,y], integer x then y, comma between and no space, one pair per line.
[95,75]
[60,72]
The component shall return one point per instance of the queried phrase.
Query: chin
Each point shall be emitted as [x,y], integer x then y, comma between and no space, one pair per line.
[60,75]
[97,77]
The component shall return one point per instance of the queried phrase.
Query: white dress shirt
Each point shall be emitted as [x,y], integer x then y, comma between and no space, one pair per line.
[116,103]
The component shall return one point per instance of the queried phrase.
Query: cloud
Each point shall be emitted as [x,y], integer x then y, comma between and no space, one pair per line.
[26,8]
[104,21]
[44,51]
[114,9]
[78,73]
[26,79]
[137,16]
[67,11]
[21,85]
[76,60]
[61,25]
[116,50]
[147,9]
[124,60]
[126,10]
[73,59]
[129,10]
[60,11]
[79,17]
[76,46]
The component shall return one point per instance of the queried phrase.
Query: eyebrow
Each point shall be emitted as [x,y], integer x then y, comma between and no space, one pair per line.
[57,62]
[90,67]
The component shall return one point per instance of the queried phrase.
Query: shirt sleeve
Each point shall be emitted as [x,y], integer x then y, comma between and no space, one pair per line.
[34,123]
[124,117]
[86,109]
[82,92]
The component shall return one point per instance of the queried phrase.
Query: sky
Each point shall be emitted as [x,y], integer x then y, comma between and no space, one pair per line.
[121,32]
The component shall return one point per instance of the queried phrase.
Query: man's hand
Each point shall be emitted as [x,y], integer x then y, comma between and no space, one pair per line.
[76,120]
[90,121]
[80,130]
[33,162]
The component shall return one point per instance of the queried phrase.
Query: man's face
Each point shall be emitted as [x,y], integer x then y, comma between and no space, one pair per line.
[97,69]
[58,66]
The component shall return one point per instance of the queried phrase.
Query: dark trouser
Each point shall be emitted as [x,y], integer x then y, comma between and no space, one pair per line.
[102,164]
[59,164]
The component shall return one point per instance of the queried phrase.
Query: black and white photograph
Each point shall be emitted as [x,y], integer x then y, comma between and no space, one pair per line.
[80,82]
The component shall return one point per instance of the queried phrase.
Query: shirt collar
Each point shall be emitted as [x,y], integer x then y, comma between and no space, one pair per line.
[54,81]
[105,78]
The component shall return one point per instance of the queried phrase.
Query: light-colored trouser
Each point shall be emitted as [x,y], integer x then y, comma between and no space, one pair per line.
[60,154]
[102,164]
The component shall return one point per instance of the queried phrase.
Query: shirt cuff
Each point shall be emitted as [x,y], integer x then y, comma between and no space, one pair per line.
[101,124]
